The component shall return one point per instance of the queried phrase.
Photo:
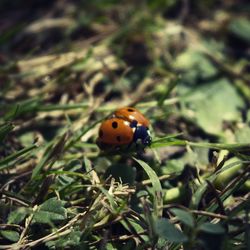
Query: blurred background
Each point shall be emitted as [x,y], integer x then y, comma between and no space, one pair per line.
[66,65]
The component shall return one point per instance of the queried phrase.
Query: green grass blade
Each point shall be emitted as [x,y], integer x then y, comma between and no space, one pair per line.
[157,189]
[5,129]
[4,163]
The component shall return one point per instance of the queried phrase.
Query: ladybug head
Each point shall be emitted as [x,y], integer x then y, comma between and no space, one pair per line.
[147,140]
[142,133]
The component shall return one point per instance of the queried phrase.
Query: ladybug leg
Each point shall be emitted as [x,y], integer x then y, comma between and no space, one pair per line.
[129,145]
[100,145]
[139,151]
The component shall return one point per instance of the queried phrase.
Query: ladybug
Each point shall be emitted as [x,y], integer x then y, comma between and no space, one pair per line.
[131,114]
[127,126]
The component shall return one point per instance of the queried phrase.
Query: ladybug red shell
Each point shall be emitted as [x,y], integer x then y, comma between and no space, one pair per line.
[127,126]
[131,114]
[116,131]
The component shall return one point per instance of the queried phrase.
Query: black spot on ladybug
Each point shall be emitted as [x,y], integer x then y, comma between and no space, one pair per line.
[130,110]
[114,124]
[118,138]
[100,133]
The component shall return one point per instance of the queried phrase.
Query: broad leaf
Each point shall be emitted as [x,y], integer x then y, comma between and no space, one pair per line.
[168,231]
[71,240]
[10,235]
[212,228]
[241,28]
[18,215]
[212,104]
[50,211]
[184,216]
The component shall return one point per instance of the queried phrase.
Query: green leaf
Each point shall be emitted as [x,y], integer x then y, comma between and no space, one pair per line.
[211,228]
[183,216]
[212,104]
[168,231]
[137,227]
[18,215]
[10,235]
[109,197]
[241,28]
[195,66]
[71,240]
[237,185]
[173,195]
[242,134]
[50,211]
[197,157]
[122,172]
[230,169]
[156,186]
[198,194]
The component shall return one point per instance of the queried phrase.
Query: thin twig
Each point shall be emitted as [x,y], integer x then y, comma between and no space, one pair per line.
[209,214]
